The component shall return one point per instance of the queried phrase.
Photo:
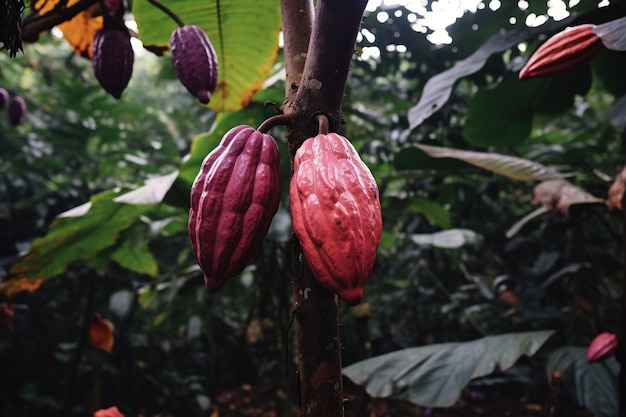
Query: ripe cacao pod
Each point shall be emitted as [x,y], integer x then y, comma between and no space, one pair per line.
[601,347]
[17,110]
[194,61]
[4,97]
[233,200]
[567,49]
[112,60]
[336,214]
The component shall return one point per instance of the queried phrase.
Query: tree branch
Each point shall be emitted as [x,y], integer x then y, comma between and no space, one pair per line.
[35,23]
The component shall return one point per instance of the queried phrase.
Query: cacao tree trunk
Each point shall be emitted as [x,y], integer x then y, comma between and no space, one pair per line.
[620,354]
[318,49]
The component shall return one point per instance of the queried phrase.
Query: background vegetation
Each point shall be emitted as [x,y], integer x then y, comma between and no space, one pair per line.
[446,271]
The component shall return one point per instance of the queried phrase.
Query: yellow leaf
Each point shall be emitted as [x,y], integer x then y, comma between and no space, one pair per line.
[78,31]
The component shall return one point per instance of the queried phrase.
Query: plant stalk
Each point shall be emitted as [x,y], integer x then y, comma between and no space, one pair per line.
[318,51]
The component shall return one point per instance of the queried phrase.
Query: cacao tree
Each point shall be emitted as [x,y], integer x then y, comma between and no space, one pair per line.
[479,133]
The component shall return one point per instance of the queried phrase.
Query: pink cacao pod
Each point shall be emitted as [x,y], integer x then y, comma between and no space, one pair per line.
[601,347]
[194,61]
[112,60]
[17,110]
[567,49]
[233,200]
[336,214]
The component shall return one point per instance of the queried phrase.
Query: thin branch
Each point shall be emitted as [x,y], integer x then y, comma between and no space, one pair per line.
[36,23]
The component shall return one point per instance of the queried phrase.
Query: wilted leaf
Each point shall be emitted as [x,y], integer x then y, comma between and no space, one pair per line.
[78,31]
[559,194]
[434,375]
[508,166]
[101,333]
[71,239]
[592,385]
[613,34]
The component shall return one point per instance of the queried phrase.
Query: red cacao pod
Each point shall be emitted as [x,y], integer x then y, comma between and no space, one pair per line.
[601,347]
[336,214]
[194,61]
[567,49]
[233,200]
[17,110]
[112,60]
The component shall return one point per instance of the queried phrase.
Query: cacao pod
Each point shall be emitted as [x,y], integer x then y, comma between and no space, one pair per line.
[17,110]
[233,200]
[194,61]
[601,347]
[112,60]
[336,214]
[567,49]
[4,97]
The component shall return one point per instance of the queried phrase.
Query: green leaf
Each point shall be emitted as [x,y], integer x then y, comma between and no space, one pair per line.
[502,115]
[433,211]
[438,89]
[72,239]
[592,385]
[244,34]
[135,256]
[202,145]
[508,166]
[434,375]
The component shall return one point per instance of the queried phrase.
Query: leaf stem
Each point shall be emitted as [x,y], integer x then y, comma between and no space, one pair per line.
[167,11]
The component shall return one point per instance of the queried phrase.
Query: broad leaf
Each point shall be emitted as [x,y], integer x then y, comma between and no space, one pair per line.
[71,239]
[134,254]
[508,166]
[613,34]
[438,89]
[244,34]
[447,239]
[432,210]
[434,375]
[592,385]
[152,192]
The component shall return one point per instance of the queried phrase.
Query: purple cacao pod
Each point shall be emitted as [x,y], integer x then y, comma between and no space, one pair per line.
[194,61]
[112,60]
[4,97]
[233,200]
[17,110]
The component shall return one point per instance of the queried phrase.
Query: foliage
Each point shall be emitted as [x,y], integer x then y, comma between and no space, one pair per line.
[456,142]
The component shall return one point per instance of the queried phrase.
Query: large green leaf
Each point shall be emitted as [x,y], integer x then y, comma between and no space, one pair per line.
[434,375]
[244,34]
[438,89]
[508,166]
[493,118]
[592,385]
[73,237]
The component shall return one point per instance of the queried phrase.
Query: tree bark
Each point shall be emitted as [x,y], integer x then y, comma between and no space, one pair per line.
[318,50]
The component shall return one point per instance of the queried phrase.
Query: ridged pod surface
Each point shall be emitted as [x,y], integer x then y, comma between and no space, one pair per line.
[601,347]
[336,214]
[112,60]
[233,200]
[194,61]
[567,49]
